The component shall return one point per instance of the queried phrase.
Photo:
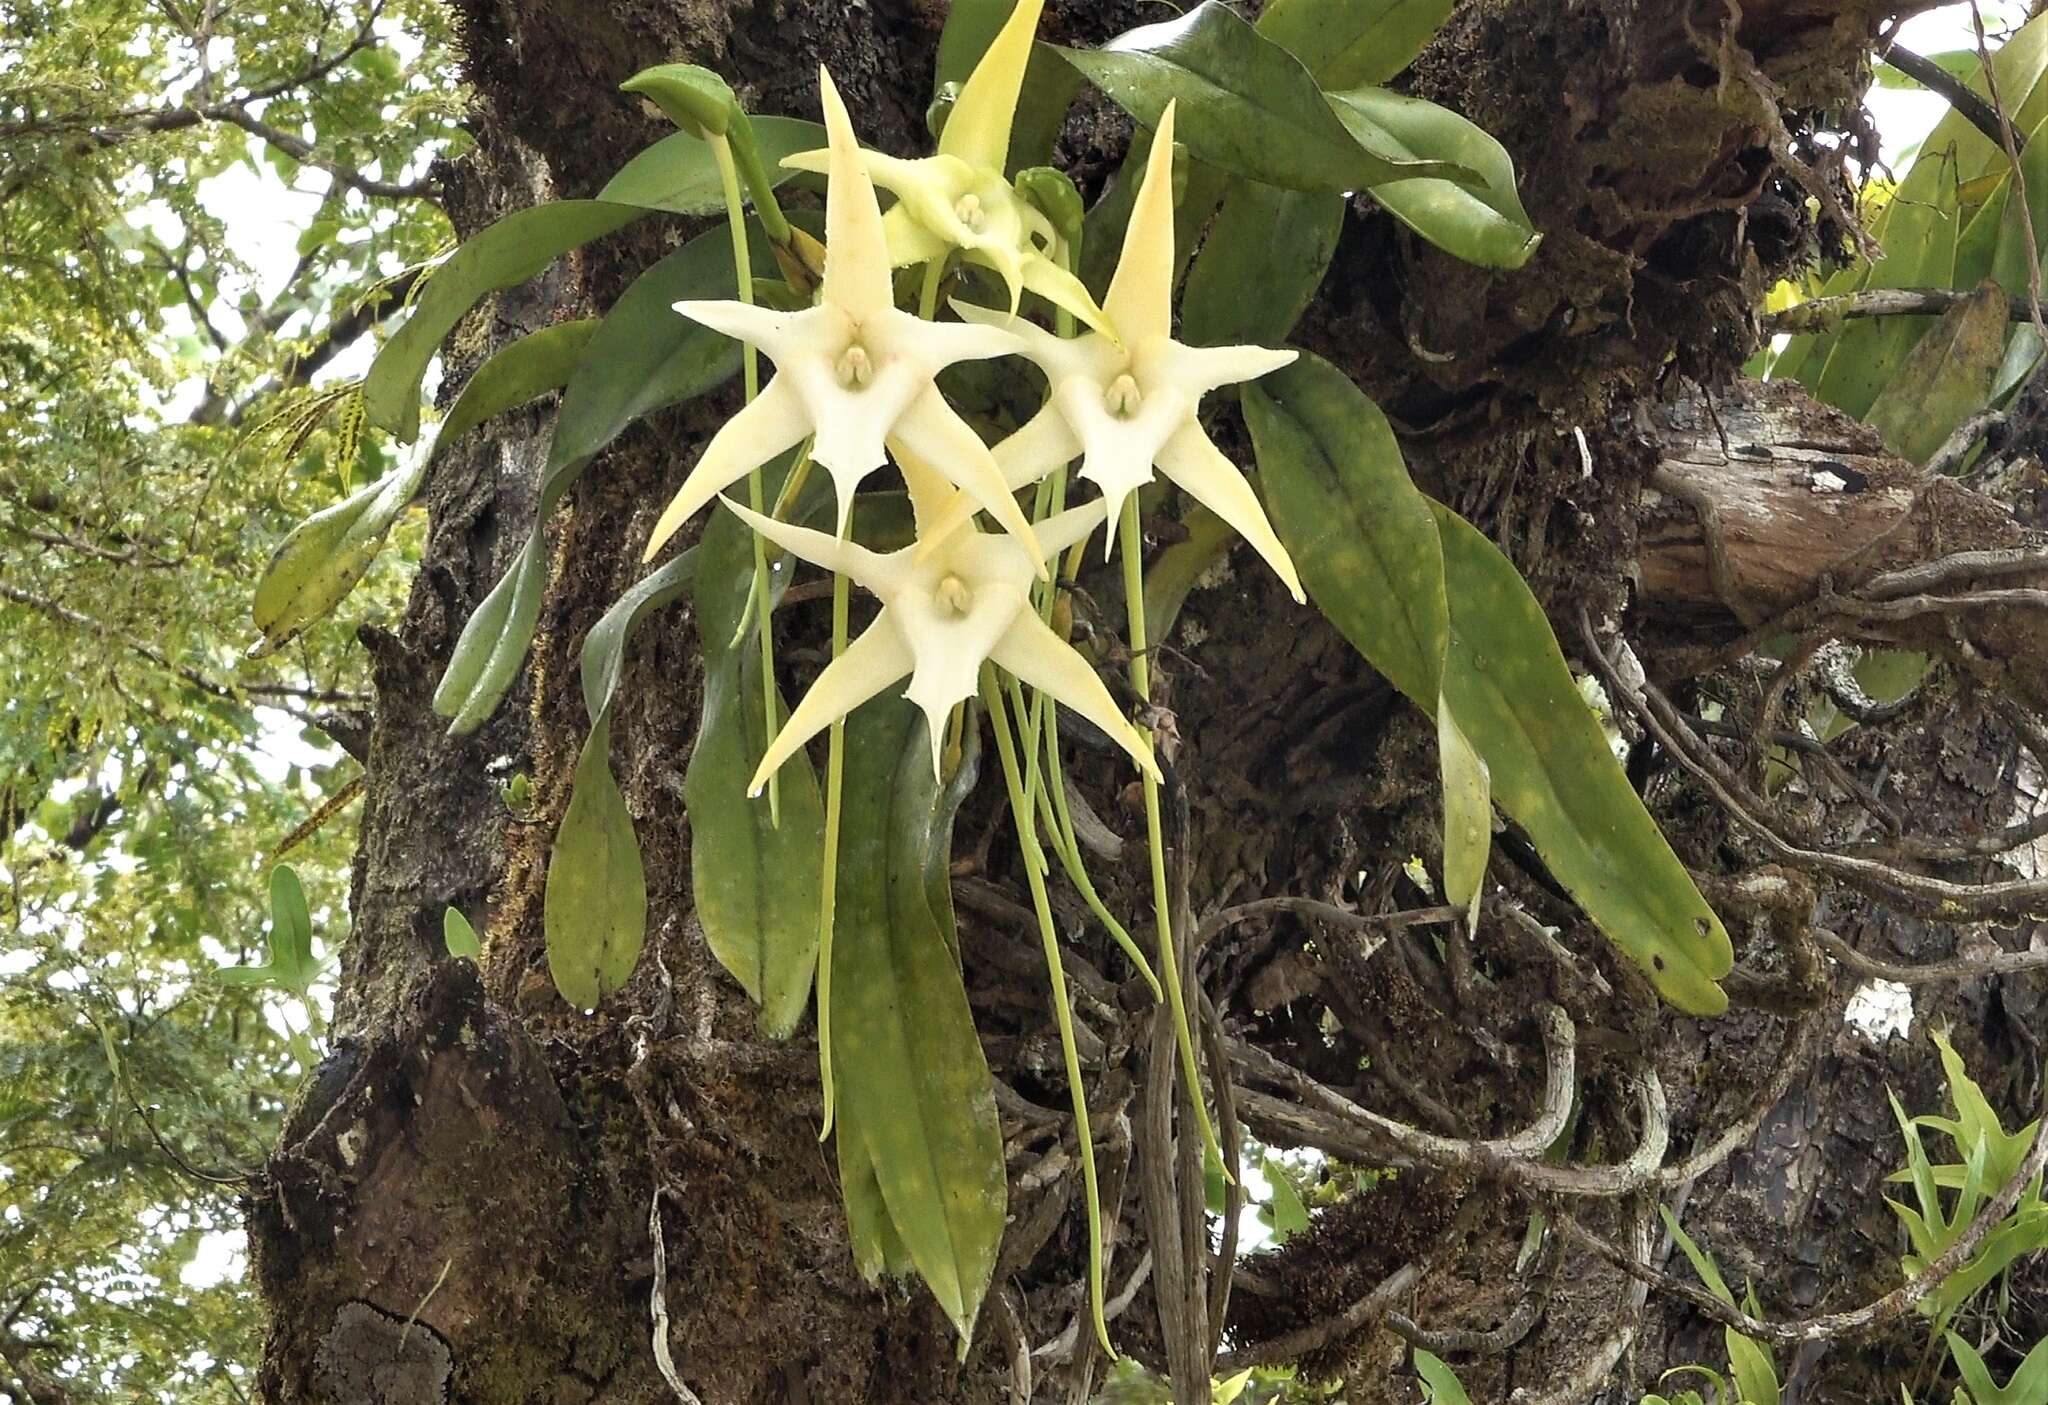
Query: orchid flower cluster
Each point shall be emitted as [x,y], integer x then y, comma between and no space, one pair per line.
[855,376]
[855,386]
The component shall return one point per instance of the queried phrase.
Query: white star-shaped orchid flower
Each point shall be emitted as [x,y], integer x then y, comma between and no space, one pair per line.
[1127,407]
[958,199]
[954,598]
[851,371]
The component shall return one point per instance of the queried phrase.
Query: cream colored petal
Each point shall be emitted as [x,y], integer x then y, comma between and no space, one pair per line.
[1006,261]
[936,345]
[833,553]
[782,335]
[871,663]
[1140,301]
[772,423]
[818,160]
[1212,480]
[937,506]
[1045,661]
[856,252]
[1041,444]
[978,129]
[1063,290]
[909,241]
[1197,370]
[934,432]
[1061,531]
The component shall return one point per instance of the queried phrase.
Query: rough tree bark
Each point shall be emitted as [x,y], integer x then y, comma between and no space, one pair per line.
[459,1209]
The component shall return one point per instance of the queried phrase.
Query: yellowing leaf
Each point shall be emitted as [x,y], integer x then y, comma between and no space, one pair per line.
[1468,814]
[595,911]
[1946,377]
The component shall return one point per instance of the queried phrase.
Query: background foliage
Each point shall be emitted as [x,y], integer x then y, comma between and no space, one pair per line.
[179,291]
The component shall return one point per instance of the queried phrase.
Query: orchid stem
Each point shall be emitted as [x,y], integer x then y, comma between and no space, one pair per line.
[928,294]
[828,892]
[750,365]
[1131,549]
[1065,845]
[1034,862]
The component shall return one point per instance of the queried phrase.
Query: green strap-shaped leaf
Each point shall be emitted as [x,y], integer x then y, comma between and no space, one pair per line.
[910,1068]
[1920,252]
[756,882]
[1407,597]
[2028,1384]
[1443,1383]
[1245,103]
[1348,42]
[289,943]
[877,1247]
[642,357]
[603,658]
[1482,222]
[1360,533]
[1945,378]
[1265,256]
[595,912]
[1468,814]
[510,251]
[327,555]
[678,174]
[569,926]
[458,936]
[1554,775]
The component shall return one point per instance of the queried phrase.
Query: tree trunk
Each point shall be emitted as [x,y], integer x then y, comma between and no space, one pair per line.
[460,1209]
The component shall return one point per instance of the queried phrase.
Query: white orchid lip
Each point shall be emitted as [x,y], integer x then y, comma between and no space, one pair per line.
[851,371]
[1128,407]
[956,598]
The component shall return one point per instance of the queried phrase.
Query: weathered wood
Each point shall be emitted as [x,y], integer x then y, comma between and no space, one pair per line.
[1806,504]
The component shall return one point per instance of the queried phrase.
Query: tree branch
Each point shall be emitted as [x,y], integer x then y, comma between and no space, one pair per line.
[1972,105]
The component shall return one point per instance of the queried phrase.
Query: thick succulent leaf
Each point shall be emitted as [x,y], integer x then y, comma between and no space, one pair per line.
[1554,775]
[457,936]
[756,881]
[1245,103]
[493,642]
[510,251]
[1945,378]
[603,657]
[642,357]
[1482,222]
[878,1248]
[289,943]
[1348,42]
[910,1066]
[1954,157]
[1468,814]
[678,174]
[1265,256]
[1361,535]
[1443,1383]
[2028,1384]
[595,912]
[1454,616]
[324,557]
